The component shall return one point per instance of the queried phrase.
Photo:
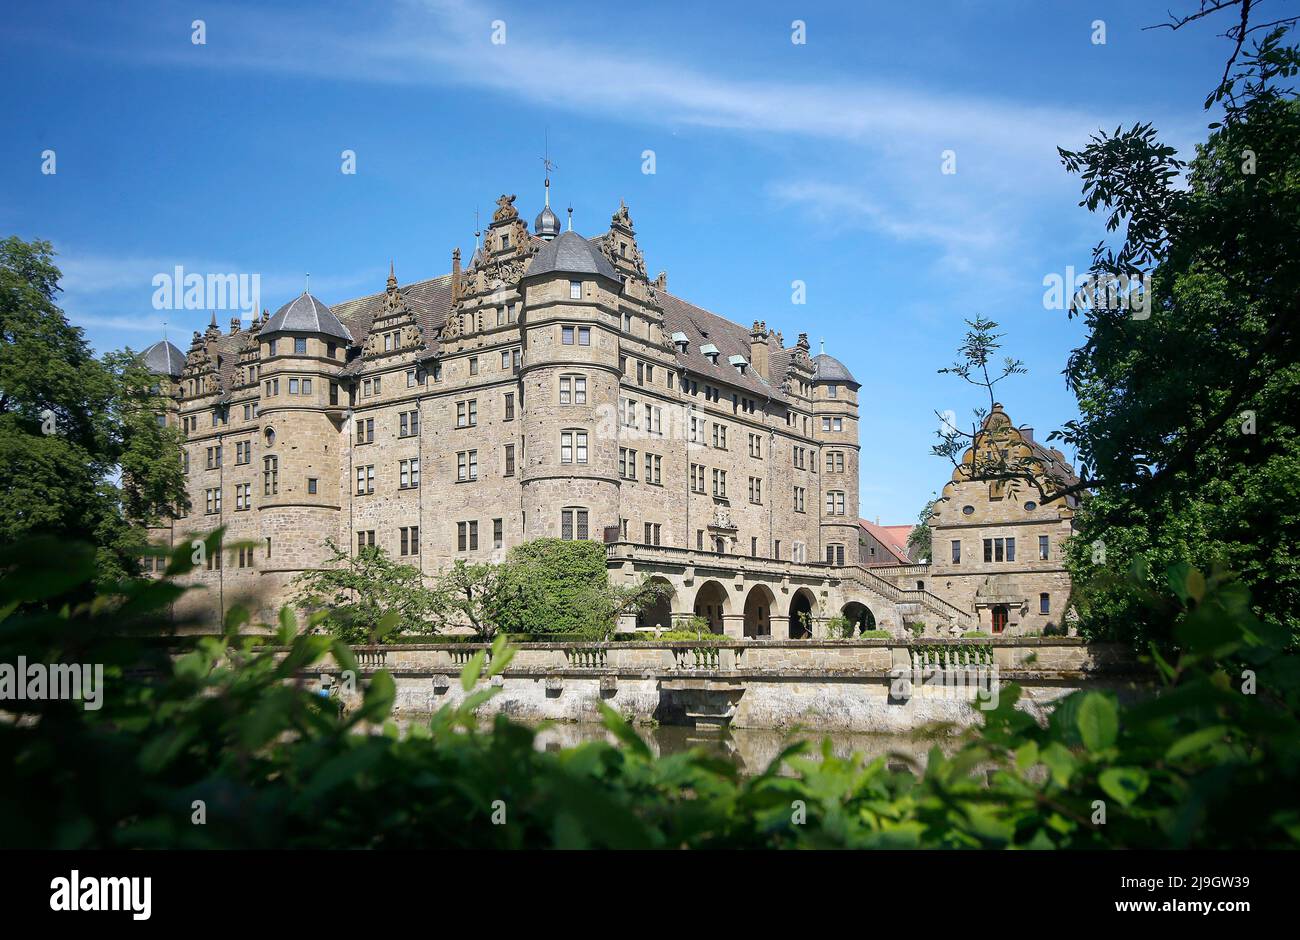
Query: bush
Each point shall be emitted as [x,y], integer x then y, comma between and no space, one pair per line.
[235,725]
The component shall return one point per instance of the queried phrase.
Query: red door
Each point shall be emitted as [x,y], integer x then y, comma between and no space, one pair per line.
[999,618]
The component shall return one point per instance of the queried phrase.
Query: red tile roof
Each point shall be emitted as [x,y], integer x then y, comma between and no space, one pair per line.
[892,537]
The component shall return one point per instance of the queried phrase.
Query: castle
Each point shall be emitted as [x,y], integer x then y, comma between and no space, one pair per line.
[549,388]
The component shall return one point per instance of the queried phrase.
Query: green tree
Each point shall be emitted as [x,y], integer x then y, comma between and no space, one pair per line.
[562,586]
[364,595]
[920,538]
[479,596]
[80,433]
[1188,434]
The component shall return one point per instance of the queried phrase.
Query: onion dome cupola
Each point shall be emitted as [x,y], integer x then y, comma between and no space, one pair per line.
[306,314]
[162,358]
[547,224]
[829,369]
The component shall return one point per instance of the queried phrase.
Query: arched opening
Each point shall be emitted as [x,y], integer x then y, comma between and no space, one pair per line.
[711,604]
[1000,615]
[801,615]
[660,613]
[860,616]
[758,611]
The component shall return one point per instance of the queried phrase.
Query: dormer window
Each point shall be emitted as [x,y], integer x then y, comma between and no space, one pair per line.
[740,364]
[681,341]
[711,351]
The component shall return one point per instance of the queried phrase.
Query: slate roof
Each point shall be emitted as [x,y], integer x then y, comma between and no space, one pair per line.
[305,314]
[429,300]
[164,359]
[704,328]
[570,253]
[830,369]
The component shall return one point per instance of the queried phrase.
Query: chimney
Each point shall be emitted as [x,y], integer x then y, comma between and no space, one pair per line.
[759,350]
[455,275]
[660,282]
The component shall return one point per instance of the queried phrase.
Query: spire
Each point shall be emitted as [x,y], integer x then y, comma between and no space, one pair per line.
[547,223]
[392,277]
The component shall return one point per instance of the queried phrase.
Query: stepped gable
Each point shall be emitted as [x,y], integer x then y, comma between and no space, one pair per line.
[702,327]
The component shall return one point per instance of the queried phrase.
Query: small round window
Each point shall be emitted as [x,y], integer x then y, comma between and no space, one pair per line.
[1030,506]
[968,510]
[270,436]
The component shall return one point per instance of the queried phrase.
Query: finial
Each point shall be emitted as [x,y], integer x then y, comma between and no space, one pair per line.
[392,276]
[213,321]
[570,218]
[307,289]
[547,165]
[478,229]
[823,345]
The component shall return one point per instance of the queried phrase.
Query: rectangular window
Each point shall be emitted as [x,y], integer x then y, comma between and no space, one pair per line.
[408,424]
[573,447]
[584,336]
[720,483]
[1044,603]
[956,551]
[697,478]
[510,406]
[510,460]
[300,345]
[573,524]
[653,468]
[467,465]
[467,413]
[575,290]
[799,499]
[1011,549]
[566,335]
[473,365]
[365,480]
[1043,548]
[270,476]
[498,534]
[467,536]
[410,540]
[408,473]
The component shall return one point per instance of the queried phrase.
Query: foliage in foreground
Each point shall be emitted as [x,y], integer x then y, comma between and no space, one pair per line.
[230,725]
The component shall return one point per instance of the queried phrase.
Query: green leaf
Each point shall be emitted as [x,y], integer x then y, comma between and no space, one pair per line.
[1098,721]
[1193,742]
[1124,784]
[1060,762]
[473,669]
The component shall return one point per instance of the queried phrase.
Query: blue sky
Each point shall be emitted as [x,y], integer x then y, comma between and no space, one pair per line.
[774,162]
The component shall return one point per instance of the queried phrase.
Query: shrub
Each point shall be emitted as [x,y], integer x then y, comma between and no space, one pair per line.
[234,724]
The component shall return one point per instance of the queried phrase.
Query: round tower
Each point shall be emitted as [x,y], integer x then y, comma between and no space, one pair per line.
[835,417]
[570,381]
[297,453]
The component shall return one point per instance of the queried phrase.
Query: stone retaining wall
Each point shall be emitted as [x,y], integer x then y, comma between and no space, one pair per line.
[849,686]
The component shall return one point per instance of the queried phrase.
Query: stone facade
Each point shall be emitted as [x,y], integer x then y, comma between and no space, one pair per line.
[548,388]
[998,545]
